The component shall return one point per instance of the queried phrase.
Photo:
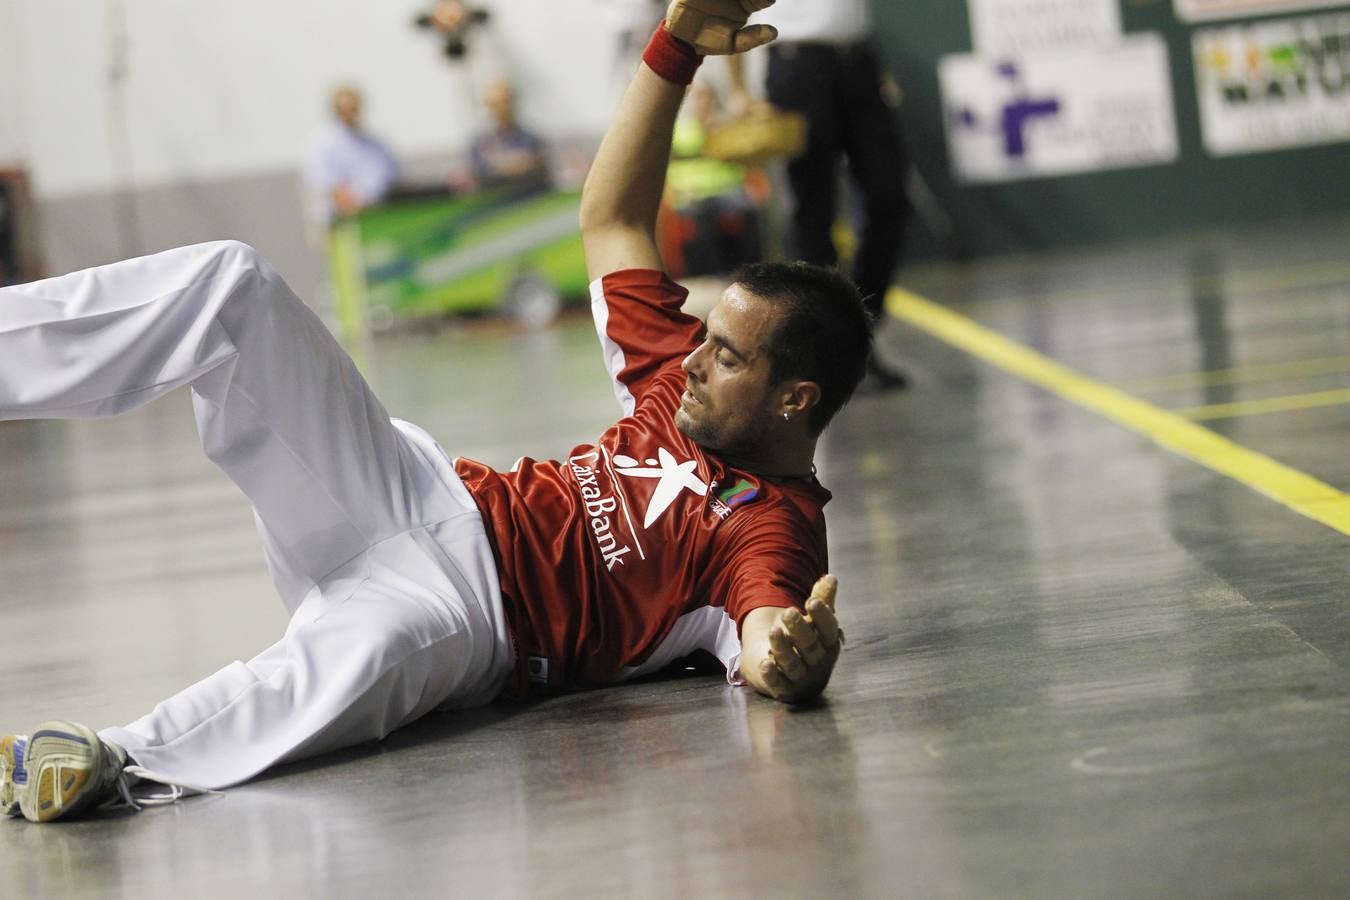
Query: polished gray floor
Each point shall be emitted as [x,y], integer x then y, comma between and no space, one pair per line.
[1078,665]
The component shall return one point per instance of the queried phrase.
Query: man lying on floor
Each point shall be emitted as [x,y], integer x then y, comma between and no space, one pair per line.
[416,582]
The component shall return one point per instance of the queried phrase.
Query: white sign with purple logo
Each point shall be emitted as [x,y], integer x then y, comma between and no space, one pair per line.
[1023,26]
[1017,117]
[1211,10]
[1274,84]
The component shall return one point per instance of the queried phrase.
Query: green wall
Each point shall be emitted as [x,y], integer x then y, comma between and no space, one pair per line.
[1197,191]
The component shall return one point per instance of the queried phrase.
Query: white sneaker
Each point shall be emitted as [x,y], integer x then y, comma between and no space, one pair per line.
[67,769]
[13,777]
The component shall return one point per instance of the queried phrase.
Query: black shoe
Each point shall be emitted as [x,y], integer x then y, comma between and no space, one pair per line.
[881,379]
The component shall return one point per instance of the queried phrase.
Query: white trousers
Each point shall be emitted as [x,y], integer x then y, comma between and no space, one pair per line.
[376,547]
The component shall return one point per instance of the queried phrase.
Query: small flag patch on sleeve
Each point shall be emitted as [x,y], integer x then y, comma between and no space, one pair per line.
[740,492]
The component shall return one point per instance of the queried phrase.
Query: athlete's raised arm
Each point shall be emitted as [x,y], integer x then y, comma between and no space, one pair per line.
[623,190]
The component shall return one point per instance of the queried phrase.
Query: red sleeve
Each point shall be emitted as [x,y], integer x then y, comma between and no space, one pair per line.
[643,329]
[774,561]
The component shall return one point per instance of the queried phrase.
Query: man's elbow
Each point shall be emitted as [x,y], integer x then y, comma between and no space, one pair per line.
[608,235]
[593,218]
[599,216]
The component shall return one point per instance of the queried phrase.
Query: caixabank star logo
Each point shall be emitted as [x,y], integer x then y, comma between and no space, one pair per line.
[673,477]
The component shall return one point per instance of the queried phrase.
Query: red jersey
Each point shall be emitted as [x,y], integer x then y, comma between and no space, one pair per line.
[642,548]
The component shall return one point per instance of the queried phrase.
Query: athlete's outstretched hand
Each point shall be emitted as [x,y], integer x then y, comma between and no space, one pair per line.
[787,655]
[717,27]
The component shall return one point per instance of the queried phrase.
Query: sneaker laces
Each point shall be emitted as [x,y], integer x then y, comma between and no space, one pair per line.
[177,789]
[125,773]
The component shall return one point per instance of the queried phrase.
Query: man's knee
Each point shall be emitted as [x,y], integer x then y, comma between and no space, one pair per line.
[246,274]
[236,254]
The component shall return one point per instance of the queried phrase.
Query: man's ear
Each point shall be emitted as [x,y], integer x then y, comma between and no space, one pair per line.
[799,397]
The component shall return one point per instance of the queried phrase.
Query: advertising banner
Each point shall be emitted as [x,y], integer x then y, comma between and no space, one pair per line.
[1107,107]
[1273,84]
[1212,10]
[1023,26]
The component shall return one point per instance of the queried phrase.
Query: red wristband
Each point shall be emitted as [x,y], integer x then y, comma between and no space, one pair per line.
[670,57]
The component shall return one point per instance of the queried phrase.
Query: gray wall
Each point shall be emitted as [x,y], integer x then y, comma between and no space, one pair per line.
[87,229]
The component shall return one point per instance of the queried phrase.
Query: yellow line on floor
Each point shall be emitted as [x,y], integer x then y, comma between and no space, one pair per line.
[1296,368]
[1233,410]
[1301,493]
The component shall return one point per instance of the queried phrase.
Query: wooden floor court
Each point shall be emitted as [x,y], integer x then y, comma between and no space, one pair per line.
[1095,566]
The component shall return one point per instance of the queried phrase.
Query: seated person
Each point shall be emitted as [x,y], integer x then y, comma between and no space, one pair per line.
[348,169]
[507,154]
[712,225]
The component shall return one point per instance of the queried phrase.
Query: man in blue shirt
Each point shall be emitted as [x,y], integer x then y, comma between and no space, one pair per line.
[348,169]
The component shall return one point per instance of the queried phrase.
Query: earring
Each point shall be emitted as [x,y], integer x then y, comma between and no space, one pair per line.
[787,417]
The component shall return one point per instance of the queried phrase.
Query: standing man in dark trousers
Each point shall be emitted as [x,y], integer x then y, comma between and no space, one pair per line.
[823,66]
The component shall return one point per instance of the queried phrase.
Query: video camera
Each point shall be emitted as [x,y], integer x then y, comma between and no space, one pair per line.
[453,19]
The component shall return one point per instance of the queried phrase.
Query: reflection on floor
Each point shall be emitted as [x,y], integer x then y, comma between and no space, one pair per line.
[1078,665]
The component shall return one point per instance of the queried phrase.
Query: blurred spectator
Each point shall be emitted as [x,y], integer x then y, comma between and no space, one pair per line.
[711,226]
[507,153]
[348,169]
